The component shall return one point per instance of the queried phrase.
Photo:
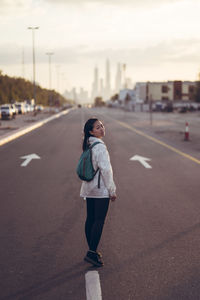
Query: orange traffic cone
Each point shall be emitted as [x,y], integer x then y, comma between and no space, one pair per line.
[186,131]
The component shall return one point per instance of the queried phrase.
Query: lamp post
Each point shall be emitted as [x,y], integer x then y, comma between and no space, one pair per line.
[58,78]
[49,55]
[33,40]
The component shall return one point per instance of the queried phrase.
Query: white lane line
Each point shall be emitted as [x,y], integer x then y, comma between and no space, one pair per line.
[93,287]
[30,128]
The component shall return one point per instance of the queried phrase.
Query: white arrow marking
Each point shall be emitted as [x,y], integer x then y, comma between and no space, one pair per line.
[142,160]
[28,158]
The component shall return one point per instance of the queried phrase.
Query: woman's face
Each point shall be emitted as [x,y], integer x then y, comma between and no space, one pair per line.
[98,130]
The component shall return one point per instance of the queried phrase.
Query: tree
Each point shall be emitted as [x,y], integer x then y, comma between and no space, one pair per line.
[98,101]
[18,89]
[115,97]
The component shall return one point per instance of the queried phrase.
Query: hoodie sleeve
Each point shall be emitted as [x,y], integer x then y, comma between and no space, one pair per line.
[103,162]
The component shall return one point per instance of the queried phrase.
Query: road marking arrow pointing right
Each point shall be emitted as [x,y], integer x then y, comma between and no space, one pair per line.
[142,160]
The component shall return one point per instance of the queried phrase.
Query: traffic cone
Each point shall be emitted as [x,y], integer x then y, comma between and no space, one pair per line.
[186,131]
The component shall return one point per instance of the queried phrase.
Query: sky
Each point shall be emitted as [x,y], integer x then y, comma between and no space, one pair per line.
[158,40]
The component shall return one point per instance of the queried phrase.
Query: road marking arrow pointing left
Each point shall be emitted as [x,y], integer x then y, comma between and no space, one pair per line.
[142,160]
[28,159]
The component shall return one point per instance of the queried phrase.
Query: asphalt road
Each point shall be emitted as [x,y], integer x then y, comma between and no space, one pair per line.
[150,242]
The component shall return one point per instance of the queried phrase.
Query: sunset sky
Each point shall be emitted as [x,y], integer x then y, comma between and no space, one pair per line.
[157,39]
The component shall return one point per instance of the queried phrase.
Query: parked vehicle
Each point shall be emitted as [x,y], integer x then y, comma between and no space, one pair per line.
[6,112]
[158,106]
[31,108]
[20,107]
[14,109]
[27,107]
[39,107]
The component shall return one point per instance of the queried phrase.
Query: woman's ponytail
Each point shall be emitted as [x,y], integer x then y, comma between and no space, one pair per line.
[85,142]
[87,128]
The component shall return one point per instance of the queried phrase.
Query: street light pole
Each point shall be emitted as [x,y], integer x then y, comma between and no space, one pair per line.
[58,78]
[33,42]
[50,98]
[49,54]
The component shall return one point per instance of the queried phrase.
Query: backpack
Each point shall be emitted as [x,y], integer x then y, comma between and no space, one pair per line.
[85,169]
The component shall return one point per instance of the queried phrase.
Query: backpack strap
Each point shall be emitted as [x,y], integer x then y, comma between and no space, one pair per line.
[91,146]
[99,180]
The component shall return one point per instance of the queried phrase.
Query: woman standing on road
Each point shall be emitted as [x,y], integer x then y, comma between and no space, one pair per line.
[97,195]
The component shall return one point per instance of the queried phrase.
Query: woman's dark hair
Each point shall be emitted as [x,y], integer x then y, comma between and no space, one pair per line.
[87,128]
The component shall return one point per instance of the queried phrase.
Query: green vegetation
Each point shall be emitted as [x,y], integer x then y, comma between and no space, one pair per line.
[98,101]
[115,97]
[14,89]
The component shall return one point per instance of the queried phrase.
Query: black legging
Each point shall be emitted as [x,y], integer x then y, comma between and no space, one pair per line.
[96,213]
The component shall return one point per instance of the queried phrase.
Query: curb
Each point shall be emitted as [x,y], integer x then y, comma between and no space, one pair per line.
[24,130]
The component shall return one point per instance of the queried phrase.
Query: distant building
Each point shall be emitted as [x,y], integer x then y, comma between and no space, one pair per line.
[173,91]
[118,79]
[95,85]
[128,83]
[140,92]
[107,92]
[127,99]
[78,97]
[82,96]
[101,88]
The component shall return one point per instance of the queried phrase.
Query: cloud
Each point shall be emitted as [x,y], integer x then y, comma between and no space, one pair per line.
[13,7]
[176,51]
[118,2]
[11,54]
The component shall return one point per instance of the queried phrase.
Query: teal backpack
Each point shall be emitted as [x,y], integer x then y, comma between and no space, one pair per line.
[85,169]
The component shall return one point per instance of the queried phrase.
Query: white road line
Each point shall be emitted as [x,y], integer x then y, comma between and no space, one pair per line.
[23,131]
[93,287]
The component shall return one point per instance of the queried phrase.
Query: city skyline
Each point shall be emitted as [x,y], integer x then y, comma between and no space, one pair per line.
[157,41]
[101,85]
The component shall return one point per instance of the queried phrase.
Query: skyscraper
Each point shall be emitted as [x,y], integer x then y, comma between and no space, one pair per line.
[101,88]
[95,85]
[118,79]
[107,81]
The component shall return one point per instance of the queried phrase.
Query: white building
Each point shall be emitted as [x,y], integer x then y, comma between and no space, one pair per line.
[127,99]
[140,92]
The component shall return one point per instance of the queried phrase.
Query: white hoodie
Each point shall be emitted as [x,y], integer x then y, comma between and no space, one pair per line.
[101,160]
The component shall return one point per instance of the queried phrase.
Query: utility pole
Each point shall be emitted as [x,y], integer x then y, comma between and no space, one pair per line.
[23,69]
[49,55]
[58,78]
[57,101]
[151,109]
[33,44]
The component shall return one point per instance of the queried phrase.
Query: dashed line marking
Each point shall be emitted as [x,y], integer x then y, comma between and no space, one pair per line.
[93,287]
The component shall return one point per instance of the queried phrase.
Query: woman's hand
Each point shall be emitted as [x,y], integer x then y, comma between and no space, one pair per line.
[113,197]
